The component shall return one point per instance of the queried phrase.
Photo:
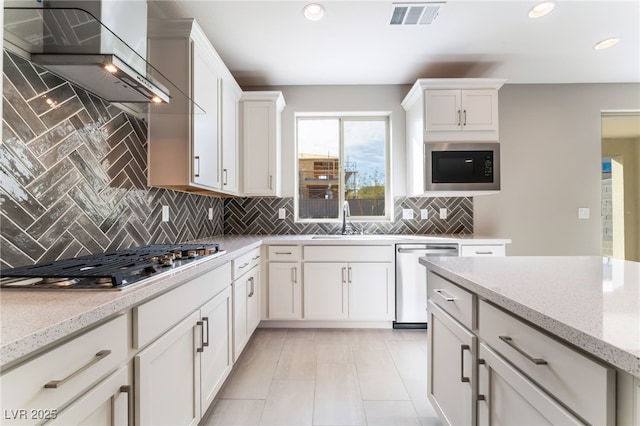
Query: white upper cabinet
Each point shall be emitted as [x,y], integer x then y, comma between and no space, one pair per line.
[453,109]
[260,127]
[193,146]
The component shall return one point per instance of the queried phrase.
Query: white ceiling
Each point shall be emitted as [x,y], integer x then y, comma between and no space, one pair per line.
[270,43]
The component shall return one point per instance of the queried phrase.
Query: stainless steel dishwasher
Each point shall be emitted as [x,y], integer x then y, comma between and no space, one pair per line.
[411,282]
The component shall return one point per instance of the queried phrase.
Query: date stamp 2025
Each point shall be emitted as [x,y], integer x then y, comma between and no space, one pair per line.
[31,414]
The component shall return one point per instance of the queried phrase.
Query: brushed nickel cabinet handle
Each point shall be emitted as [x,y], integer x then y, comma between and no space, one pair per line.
[344,279]
[244,266]
[206,321]
[459,118]
[294,272]
[270,182]
[463,348]
[224,180]
[464,123]
[197,163]
[509,341]
[127,389]
[484,252]
[349,275]
[256,258]
[440,292]
[284,252]
[201,348]
[54,384]
[250,281]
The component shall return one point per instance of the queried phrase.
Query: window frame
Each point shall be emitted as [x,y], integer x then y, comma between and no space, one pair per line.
[342,117]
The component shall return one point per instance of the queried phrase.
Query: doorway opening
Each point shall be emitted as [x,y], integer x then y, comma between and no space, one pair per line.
[621,185]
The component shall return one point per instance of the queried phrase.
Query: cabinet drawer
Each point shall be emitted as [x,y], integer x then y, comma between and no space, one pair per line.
[284,253]
[244,263]
[349,253]
[582,384]
[67,370]
[484,250]
[154,317]
[455,300]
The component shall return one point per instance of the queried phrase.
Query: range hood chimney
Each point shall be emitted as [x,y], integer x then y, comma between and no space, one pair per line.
[100,45]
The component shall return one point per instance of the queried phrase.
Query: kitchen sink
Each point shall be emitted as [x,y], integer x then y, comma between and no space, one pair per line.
[354,237]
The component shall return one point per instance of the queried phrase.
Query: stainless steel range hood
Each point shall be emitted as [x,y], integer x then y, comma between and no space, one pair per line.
[100,45]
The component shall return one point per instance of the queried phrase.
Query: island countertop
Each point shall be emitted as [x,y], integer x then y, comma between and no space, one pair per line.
[590,302]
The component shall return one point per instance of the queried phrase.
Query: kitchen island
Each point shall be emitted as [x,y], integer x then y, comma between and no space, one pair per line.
[588,306]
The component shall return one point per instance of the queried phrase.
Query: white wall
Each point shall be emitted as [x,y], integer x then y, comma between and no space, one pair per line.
[551,165]
[343,99]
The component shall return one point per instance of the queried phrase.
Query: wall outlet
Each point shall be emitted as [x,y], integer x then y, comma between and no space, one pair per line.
[424,214]
[282,213]
[210,213]
[407,214]
[443,213]
[165,213]
[584,213]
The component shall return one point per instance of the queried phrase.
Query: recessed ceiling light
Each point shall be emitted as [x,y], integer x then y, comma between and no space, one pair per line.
[607,43]
[541,9]
[313,11]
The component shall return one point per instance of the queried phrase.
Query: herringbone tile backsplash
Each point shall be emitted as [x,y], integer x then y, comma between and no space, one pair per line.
[73,182]
[73,175]
[260,216]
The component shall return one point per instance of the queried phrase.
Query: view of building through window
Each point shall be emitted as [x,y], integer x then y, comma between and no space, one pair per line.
[341,158]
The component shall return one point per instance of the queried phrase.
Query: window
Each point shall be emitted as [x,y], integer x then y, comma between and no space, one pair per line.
[342,158]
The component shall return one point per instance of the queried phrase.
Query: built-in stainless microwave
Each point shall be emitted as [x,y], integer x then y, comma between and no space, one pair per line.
[460,166]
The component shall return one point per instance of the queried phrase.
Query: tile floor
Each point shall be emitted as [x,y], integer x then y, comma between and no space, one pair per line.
[328,377]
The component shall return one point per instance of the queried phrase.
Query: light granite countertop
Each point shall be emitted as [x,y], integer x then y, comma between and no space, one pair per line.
[590,302]
[33,320]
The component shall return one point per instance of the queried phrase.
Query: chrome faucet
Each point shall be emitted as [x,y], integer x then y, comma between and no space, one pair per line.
[346,212]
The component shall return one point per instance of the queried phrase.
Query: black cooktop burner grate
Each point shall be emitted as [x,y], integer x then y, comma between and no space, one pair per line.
[113,269]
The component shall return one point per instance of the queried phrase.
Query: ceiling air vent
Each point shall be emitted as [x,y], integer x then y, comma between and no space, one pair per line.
[414,13]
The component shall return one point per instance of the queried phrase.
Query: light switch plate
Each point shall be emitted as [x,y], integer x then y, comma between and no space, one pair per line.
[165,213]
[407,214]
[282,213]
[210,213]
[424,214]
[443,213]
[584,213]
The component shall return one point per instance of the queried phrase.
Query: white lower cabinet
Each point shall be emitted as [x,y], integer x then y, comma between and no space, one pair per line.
[450,372]
[246,308]
[49,386]
[285,291]
[355,291]
[168,377]
[182,364]
[106,404]
[507,397]
[216,360]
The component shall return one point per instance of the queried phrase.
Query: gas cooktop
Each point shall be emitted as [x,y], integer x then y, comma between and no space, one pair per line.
[107,271]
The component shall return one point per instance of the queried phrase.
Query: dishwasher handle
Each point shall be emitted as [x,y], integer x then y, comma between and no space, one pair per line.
[433,251]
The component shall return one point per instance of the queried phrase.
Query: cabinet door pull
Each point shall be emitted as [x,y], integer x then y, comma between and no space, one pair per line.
[509,341]
[206,321]
[463,348]
[201,348]
[440,292]
[284,252]
[256,258]
[250,281]
[464,123]
[344,271]
[294,272]
[197,164]
[459,118]
[484,252]
[244,266]
[54,384]
[349,275]
[127,389]
[270,182]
